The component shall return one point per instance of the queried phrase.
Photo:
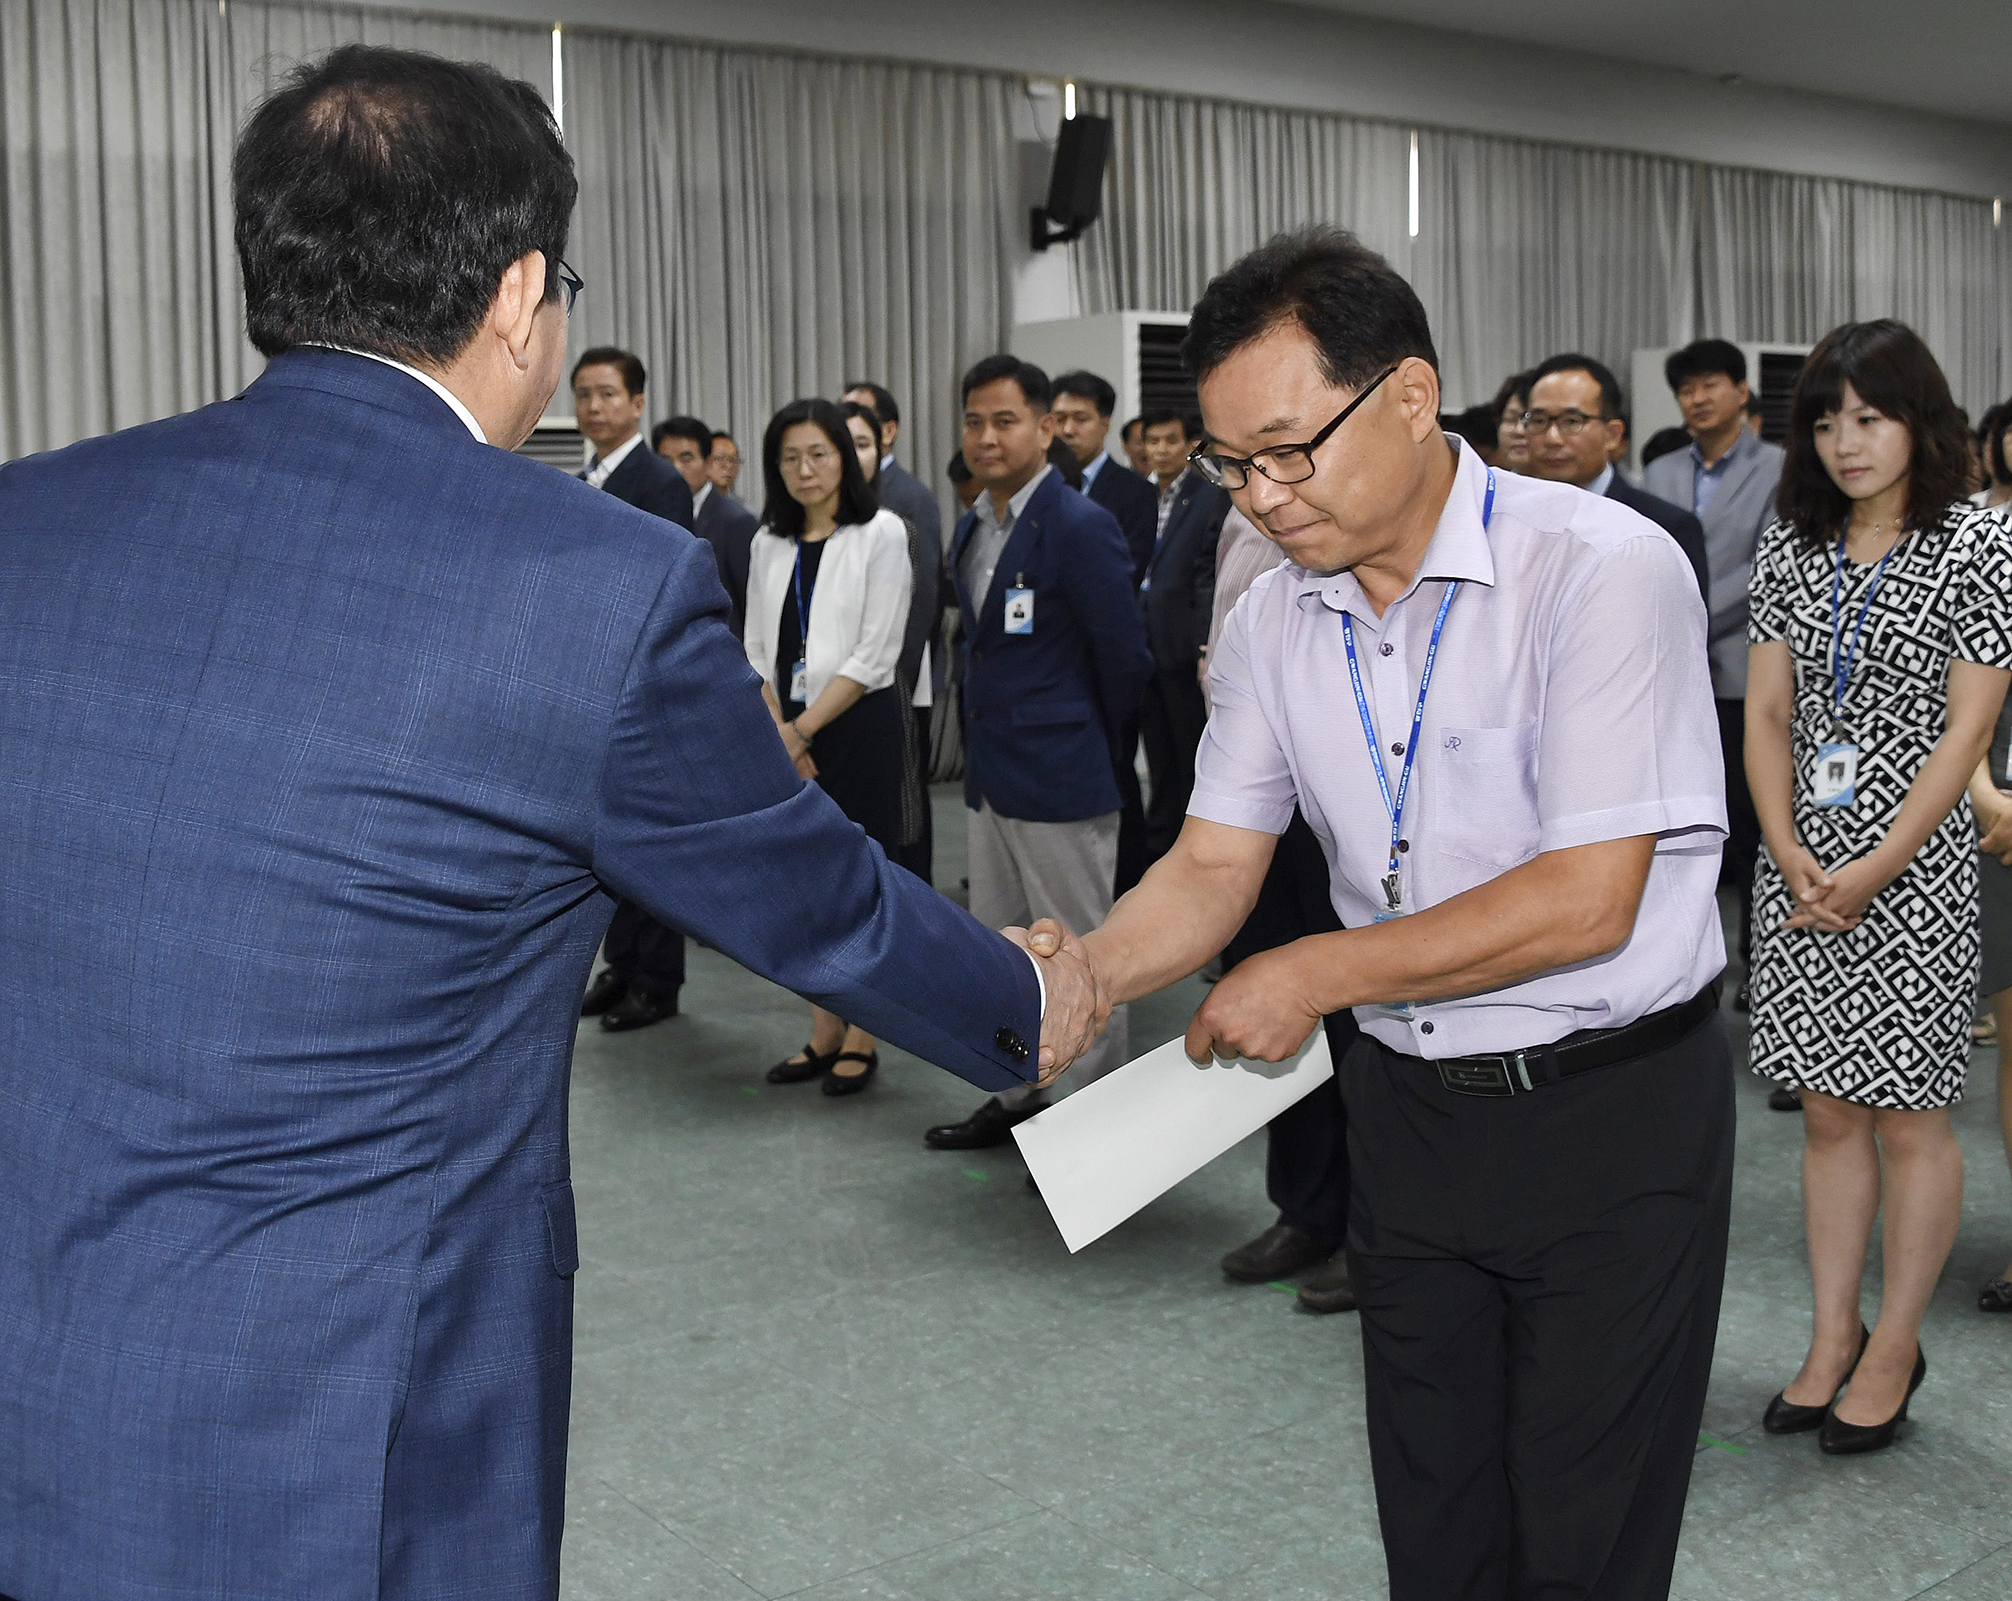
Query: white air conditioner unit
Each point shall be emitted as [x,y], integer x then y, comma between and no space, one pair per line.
[1771,370]
[558,442]
[1137,352]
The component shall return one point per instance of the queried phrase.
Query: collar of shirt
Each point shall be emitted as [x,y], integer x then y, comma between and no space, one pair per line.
[453,400]
[1740,447]
[988,518]
[1458,549]
[1167,494]
[1600,485]
[887,461]
[601,469]
[701,496]
[1090,472]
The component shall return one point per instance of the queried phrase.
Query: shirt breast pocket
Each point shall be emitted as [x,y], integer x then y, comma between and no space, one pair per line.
[1487,812]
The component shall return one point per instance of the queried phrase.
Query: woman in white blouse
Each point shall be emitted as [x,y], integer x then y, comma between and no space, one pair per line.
[828,589]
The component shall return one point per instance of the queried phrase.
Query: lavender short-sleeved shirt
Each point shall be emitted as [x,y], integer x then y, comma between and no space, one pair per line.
[1571,703]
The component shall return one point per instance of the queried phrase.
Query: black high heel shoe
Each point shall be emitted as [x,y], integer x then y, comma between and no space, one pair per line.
[813,1065]
[1785,1417]
[837,1083]
[1849,1439]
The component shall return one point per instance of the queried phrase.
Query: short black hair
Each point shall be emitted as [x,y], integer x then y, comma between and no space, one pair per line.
[1126,431]
[1477,425]
[1088,386]
[682,428]
[1033,382]
[883,400]
[1753,404]
[1517,383]
[1665,442]
[782,511]
[1993,429]
[1700,359]
[1351,302]
[1160,416]
[1611,404]
[1892,371]
[380,195]
[850,409]
[959,470]
[634,378]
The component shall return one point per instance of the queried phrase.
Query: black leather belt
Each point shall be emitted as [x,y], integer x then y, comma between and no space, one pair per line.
[1519,1072]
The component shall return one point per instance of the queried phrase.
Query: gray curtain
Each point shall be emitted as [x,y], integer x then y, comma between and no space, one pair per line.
[763,227]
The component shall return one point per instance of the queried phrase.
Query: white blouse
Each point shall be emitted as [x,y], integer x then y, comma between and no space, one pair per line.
[858,610]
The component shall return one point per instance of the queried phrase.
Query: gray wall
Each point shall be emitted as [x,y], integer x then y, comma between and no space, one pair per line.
[1277,54]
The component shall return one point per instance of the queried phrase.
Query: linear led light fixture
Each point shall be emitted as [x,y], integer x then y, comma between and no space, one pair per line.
[1414,184]
[559,79]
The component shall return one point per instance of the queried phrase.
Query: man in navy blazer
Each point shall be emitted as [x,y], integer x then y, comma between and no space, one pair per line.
[1178,596]
[1055,663]
[340,720]
[717,518]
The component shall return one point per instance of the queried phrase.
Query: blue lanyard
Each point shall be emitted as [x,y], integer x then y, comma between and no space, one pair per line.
[802,611]
[1394,805]
[1840,665]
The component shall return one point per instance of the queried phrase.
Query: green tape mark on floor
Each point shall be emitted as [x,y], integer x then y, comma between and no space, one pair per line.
[977,1173]
[750,1089]
[1280,1284]
[1723,1445]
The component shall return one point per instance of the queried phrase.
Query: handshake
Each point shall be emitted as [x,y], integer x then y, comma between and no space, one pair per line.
[1078,1004]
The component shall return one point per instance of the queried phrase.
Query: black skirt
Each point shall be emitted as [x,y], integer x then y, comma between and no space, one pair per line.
[860,762]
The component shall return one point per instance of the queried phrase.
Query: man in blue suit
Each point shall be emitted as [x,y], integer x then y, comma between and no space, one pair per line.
[1056,661]
[717,518]
[347,723]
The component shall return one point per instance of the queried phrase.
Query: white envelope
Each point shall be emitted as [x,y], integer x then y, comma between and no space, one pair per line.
[1105,1151]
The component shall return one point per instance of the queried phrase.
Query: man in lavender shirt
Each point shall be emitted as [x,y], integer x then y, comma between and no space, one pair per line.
[1540,1105]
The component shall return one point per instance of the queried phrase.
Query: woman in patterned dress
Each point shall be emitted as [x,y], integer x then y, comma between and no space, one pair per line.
[1881,647]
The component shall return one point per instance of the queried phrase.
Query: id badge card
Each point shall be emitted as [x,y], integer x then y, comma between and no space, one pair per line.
[799,682]
[1834,780]
[1401,1010]
[1019,611]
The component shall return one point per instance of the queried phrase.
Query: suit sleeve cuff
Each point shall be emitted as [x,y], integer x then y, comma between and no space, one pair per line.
[1041,979]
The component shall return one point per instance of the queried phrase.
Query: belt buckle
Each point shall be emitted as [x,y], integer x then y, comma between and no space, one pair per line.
[1492,1077]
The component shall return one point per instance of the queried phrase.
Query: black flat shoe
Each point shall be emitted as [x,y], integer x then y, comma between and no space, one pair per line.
[1278,1253]
[1785,1417]
[1995,1296]
[1840,1438]
[812,1066]
[608,987]
[638,1009]
[1783,1099]
[837,1083]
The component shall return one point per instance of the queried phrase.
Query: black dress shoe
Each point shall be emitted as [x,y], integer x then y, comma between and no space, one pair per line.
[1329,1290]
[992,1124]
[789,1072]
[608,987]
[638,1009]
[1995,1296]
[1840,1438]
[1783,1099]
[837,1083]
[1278,1253]
[1786,1417]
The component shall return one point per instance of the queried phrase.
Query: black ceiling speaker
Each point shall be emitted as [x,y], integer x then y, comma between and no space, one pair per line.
[1076,188]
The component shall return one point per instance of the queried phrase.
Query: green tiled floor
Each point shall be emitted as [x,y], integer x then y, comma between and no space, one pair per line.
[817,1360]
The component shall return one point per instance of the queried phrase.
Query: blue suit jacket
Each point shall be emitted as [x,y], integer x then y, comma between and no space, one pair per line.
[1180,582]
[322,728]
[1043,711]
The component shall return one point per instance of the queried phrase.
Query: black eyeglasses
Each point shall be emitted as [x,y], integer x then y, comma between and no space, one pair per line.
[1282,464]
[570,282]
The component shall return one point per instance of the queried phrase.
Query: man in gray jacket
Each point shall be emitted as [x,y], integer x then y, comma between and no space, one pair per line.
[1727,480]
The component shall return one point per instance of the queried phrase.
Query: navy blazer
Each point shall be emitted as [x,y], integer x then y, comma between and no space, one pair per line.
[323,726]
[1043,711]
[907,496]
[649,483]
[729,527]
[1679,524]
[1180,593]
[1135,503]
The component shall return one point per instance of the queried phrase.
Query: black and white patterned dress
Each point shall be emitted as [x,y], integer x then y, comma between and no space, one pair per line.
[1880,1015]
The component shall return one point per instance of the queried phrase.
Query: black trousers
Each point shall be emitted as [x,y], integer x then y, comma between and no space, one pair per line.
[1743,833]
[1171,726]
[1131,813]
[644,953]
[920,856]
[1306,1145]
[1539,1279]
